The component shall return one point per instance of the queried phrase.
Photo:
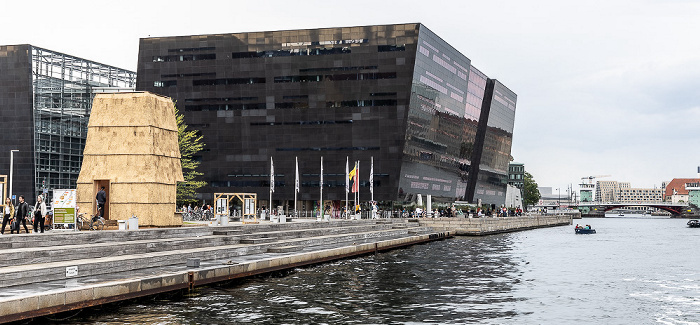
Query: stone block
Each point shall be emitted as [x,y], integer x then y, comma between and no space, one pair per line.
[80,295]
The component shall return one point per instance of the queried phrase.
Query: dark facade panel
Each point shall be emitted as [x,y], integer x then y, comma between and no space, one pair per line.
[16,119]
[340,93]
[397,93]
[498,139]
[440,129]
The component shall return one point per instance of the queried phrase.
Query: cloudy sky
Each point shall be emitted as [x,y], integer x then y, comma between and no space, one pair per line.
[604,86]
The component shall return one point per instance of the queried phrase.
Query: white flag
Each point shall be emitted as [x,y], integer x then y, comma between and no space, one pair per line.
[347,174]
[321,171]
[296,181]
[371,177]
[272,176]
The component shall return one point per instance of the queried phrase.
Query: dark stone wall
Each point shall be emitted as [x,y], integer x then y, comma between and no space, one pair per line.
[16,118]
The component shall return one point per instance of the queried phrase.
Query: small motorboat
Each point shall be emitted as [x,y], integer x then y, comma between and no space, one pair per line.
[694,223]
[584,230]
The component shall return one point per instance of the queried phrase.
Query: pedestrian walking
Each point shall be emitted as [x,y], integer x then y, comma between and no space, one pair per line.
[39,214]
[101,200]
[8,215]
[21,214]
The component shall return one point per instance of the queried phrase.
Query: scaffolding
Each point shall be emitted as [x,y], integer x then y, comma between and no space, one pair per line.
[63,87]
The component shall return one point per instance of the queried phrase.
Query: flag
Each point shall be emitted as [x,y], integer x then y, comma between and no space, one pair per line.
[356,183]
[347,175]
[352,173]
[322,171]
[296,180]
[272,176]
[371,177]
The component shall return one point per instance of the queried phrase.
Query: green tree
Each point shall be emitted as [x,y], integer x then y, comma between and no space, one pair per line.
[190,143]
[530,193]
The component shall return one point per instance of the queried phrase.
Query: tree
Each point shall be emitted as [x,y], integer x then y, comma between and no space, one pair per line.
[530,193]
[190,143]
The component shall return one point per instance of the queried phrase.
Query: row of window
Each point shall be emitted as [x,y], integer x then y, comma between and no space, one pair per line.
[337,77]
[266,183]
[291,105]
[361,103]
[184,57]
[303,123]
[263,54]
[328,149]
[282,79]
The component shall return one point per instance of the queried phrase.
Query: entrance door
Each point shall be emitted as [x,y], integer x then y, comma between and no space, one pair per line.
[98,185]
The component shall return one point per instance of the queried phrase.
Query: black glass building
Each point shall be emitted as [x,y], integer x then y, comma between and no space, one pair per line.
[397,93]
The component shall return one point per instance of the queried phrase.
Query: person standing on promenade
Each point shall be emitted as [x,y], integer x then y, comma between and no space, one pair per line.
[39,214]
[101,200]
[8,215]
[21,214]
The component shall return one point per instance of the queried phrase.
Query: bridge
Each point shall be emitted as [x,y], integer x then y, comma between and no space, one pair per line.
[676,209]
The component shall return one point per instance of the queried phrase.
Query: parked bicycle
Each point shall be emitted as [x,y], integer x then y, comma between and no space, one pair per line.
[95,222]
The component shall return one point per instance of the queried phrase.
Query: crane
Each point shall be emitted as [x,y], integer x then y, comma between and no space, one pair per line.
[591,178]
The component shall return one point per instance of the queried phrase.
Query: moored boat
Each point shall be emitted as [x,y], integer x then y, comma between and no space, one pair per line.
[694,223]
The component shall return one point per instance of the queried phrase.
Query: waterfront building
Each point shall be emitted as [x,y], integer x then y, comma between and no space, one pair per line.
[641,195]
[45,99]
[676,191]
[516,175]
[609,191]
[433,123]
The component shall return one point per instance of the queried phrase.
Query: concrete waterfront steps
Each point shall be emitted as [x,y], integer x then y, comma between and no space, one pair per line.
[29,273]
[56,237]
[124,246]
[25,274]
[32,300]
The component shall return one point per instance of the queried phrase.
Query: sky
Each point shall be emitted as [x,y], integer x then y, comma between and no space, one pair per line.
[607,87]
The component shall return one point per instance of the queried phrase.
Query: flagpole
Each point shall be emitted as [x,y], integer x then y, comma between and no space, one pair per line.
[296,185]
[322,207]
[371,179]
[347,184]
[272,186]
[358,186]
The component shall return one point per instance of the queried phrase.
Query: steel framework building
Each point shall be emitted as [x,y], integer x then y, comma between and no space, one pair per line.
[49,96]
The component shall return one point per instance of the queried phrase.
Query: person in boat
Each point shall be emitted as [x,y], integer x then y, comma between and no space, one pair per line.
[578,227]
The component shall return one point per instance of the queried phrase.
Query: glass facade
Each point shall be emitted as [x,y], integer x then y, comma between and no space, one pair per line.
[397,93]
[63,88]
[498,139]
[442,125]
[46,98]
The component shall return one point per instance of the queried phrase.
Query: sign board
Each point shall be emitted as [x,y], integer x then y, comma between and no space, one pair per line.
[249,206]
[71,271]
[63,207]
[222,206]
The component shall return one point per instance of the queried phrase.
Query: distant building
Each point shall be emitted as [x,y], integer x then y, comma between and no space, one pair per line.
[46,99]
[676,190]
[516,175]
[641,195]
[609,191]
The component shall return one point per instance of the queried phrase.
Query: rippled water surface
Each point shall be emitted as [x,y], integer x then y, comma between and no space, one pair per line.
[633,271]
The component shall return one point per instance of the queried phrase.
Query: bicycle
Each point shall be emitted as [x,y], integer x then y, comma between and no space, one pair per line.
[96,222]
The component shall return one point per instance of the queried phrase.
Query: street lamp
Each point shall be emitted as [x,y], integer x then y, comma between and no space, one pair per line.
[559,198]
[12,164]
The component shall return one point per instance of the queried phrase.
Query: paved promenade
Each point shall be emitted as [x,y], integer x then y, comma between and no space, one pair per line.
[54,272]
[43,274]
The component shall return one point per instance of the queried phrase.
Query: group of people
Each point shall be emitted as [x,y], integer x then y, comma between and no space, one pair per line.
[583,227]
[17,216]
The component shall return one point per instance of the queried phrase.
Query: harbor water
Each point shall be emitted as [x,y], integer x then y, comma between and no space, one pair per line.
[633,271]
